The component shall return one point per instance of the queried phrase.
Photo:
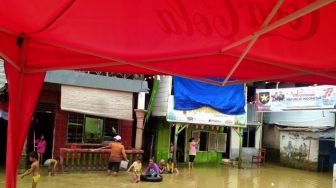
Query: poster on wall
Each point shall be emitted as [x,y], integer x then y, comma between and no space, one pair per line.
[300,98]
[204,116]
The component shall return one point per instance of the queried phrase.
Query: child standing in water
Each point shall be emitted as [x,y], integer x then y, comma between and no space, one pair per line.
[41,147]
[137,169]
[34,169]
[193,143]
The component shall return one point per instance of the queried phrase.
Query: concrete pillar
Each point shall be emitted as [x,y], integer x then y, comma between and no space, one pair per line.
[140,114]
[141,100]
[258,137]
[234,148]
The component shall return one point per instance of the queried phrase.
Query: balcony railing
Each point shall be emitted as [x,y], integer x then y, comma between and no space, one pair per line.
[88,160]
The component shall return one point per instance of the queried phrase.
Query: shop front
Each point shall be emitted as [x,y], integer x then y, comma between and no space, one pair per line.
[210,126]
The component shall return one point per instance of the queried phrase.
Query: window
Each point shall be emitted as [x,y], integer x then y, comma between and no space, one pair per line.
[211,141]
[249,136]
[93,130]
[90,129]
[221,142]
[75,128]
[110,129]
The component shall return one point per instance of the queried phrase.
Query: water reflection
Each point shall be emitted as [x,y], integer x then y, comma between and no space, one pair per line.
[202,176]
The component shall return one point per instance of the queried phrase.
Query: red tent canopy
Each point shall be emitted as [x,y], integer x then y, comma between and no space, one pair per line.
[248,40]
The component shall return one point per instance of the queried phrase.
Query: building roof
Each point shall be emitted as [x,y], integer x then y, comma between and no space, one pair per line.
[76,78]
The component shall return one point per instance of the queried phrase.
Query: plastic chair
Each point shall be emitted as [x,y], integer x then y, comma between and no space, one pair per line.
[261,157]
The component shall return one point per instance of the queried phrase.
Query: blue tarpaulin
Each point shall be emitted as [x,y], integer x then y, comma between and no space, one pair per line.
[190,95]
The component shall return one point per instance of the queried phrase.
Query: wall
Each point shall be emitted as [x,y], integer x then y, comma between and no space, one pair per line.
[60,136]
[247,152]
[234,149]
[161,101]
[126,133]
[51,94]
[162,140]
[301,118]
[162,145]
[299,149]
[271,141]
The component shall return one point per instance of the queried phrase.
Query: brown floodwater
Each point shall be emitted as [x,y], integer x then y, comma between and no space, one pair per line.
[202,176]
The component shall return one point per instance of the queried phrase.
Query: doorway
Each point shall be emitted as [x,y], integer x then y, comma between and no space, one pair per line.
[3,142]
[226,155]
[181,143]
[42,124]
[327,155]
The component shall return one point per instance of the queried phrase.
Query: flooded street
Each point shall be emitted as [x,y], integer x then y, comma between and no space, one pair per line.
[202,176]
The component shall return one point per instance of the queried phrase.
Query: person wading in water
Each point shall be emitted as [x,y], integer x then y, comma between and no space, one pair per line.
[117,155]
[192,152]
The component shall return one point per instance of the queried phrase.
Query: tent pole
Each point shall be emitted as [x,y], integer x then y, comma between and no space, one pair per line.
[129,63]
[256,60]
[295,15]
[253,41]
[11,62]
[3,30]
[11,160]
[100,65]
[272,78]
[265,78]
[279,64]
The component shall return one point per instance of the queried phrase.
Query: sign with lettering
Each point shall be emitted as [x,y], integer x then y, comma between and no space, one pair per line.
[301,98]
[204,116]
[226,18]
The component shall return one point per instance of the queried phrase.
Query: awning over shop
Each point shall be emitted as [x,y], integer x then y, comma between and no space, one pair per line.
[245,40]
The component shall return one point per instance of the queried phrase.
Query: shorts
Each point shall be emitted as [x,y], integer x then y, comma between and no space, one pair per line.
[137,173]
[191,158]
[36,178]
[48,164]
[114,166]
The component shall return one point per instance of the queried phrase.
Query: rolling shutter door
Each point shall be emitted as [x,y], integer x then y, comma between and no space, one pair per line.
[97,102]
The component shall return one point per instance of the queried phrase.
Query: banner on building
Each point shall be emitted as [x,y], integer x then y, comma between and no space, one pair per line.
[204,116]
[301,98]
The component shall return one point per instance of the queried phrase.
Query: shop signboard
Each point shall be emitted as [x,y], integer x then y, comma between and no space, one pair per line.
[204,116]
[300,98]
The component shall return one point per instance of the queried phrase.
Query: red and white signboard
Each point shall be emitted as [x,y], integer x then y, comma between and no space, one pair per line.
[300,98]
